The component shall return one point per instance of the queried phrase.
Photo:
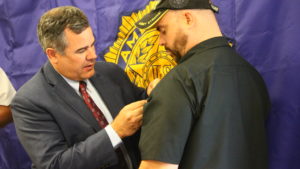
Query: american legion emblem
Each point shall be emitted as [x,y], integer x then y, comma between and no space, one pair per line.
[138,51]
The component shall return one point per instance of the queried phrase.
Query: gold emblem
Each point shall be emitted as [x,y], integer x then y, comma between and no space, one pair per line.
[138,52]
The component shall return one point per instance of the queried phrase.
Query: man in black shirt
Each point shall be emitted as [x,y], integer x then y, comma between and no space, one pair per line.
[209,112]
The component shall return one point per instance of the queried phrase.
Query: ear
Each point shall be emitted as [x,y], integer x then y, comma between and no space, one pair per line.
[189,18]
[52,55]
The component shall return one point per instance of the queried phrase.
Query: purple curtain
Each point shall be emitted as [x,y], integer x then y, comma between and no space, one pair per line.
[264,33]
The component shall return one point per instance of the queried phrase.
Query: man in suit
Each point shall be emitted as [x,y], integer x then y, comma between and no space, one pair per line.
[69,115]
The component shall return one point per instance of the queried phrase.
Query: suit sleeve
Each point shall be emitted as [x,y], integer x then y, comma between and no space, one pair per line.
[45,143]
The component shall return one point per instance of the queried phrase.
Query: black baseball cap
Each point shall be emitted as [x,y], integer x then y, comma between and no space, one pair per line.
[162,8]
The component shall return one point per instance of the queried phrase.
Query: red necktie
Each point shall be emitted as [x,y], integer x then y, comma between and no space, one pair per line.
[92,106]
[100,118]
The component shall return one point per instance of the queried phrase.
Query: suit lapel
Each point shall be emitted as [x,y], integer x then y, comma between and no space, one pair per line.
[69,96]
[107,93]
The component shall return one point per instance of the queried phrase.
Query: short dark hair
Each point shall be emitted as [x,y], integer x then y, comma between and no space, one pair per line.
[52,24]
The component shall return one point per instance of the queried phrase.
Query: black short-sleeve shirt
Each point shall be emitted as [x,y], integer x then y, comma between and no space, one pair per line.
[208,112]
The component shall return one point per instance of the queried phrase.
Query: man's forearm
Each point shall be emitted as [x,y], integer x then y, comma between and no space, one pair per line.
[150,164]
[5,116]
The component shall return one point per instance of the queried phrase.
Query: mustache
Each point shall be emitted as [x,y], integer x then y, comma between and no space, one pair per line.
[91,62]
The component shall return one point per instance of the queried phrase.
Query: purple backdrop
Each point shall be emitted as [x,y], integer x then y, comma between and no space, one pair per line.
[265,33]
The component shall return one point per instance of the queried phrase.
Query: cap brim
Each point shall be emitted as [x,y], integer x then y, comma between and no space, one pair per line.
[149,20]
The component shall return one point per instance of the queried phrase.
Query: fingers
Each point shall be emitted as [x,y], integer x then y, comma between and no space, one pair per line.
[135,117]
[137,111]
[135,105]
[152,85]
[139,117]
[138,121]
[155,81]
[129,119]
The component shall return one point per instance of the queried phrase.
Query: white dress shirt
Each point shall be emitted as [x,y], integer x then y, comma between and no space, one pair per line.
[7,91]
[113,136]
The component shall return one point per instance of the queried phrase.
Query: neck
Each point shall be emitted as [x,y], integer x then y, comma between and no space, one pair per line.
[205,28]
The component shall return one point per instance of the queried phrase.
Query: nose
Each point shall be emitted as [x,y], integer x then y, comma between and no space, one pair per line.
[91,53]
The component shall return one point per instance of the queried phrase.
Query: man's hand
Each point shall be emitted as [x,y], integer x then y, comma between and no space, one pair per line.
[150,164]
[152,85]
[129,119]
[5,116]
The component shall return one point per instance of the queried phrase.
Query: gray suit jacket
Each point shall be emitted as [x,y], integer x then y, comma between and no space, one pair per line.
[58,130]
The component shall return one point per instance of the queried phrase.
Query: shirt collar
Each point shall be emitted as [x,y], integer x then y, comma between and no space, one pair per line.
[205,45]
[75,84]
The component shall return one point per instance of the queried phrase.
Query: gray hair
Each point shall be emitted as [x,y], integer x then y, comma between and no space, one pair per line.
[52,24]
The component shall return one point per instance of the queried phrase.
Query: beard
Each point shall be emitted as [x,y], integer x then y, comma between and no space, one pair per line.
[174,54]
[178,46]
